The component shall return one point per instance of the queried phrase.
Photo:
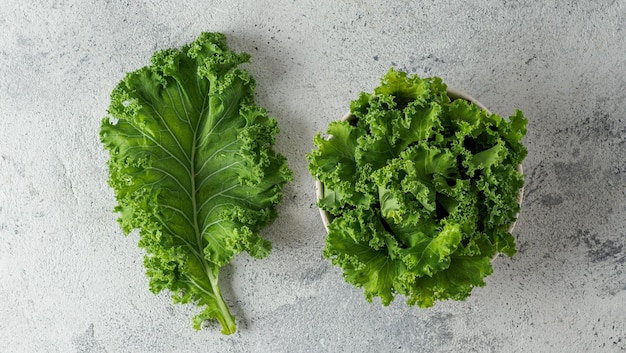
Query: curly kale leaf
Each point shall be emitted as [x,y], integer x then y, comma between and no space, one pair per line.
[420,190]
[192,167]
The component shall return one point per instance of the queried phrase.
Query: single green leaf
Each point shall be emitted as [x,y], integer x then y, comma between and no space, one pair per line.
[426,255]
[358,243]
[192,167]
[463,274]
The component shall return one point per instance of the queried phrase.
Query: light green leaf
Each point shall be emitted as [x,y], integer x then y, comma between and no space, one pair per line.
[426,255]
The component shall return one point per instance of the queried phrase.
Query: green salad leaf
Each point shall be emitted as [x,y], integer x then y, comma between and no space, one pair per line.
[421,190]
[192,167]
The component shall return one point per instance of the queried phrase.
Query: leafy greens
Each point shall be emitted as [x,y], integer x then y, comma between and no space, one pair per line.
[420,190]
[192,167]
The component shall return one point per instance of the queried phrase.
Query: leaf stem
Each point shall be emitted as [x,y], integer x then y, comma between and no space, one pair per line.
[225,318]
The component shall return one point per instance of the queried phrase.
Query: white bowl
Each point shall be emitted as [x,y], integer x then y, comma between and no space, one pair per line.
[453,94]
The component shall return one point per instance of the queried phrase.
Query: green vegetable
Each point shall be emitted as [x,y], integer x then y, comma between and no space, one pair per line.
[420,190]
[192,167]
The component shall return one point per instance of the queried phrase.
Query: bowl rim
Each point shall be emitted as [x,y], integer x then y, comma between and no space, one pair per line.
[453,94]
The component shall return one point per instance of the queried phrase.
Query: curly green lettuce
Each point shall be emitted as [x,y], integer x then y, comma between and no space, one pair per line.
[420,189]
[192,167]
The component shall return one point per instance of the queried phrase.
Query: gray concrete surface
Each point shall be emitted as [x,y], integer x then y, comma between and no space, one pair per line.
[70,282]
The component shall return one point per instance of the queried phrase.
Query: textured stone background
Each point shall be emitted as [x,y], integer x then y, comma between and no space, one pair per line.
[70,282]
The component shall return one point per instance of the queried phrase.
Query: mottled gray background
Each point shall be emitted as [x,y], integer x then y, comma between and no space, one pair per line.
[70,282]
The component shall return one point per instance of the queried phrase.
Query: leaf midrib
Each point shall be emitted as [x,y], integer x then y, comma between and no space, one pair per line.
[213,279]
[192,177]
